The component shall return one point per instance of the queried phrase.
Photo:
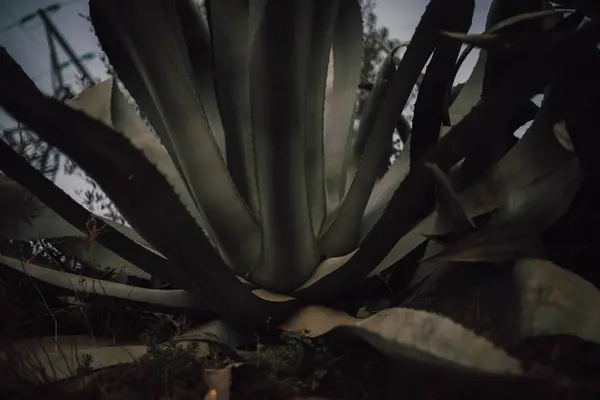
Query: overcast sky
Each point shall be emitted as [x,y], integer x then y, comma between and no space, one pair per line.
[28,46]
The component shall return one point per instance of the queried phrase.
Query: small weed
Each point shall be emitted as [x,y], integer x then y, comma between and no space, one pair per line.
[85,365]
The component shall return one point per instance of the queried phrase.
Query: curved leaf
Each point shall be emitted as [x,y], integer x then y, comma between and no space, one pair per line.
[342,236]
[149,34]
[384,190]
[96,255]
[124,173]
[533,156]
[195,30]
[105,102]
[492,244]
[542,203]
[162,299]
[368,114]
[452,214]
[41,222]
[278,94]
[429,107]
[231,40]
[500,136]
[418,336]
[319,91]
[339,107]
[470,94]
[555,301]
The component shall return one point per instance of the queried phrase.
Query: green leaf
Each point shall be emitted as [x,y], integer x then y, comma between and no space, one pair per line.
[105,102]
[470,93]
[320,87]
[340,104]
[420,337]
[163,300]
[124,173]
[231,26]
[555,301]
[528,36]
[149,34]
[429,107]
[533,156]
[384,189]
[542,203]
[94,254]
[371,107]
[278,94]
[196,35]
[38,221]
[342,236]
[492,244]
[452,214]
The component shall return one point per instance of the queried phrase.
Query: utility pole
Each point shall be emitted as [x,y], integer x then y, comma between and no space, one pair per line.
[55,37]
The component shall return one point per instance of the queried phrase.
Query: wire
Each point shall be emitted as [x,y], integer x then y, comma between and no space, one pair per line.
[57,6]
[27,33]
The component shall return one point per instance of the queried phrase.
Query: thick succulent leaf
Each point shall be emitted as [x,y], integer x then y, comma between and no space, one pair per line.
[342,236]
[105,102]
[430,106]
[231,39]
[94,254]
[402,215]
[149,298]
[492,244]
[320,87]
[536,154]
[451,217]
[451,211]
[575,109]
[555,301]
[542,203]
[358,141]
[339,107]
[470,94]
[278,94]
[429,115]
[495,36]
[149,33]
[384,190]
[418,336]
[124,173]
[512,231]
[36,220]
[529,36]
[197,38]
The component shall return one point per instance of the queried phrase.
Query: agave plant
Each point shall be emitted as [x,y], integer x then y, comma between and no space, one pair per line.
[244,189]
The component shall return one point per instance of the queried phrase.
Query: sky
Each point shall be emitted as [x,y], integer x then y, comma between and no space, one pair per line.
[27,43]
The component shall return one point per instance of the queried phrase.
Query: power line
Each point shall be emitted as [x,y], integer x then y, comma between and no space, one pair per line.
[27,34]
[54,7]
